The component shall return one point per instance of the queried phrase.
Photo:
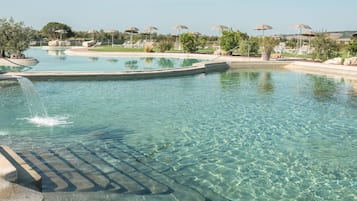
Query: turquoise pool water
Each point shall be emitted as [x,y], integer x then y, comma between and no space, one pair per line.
[59,61]
[269,135]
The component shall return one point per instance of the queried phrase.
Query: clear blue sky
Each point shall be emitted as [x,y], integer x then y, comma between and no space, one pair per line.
[198,15]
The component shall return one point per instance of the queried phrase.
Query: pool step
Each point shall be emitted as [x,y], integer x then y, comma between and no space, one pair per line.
[18,181]
[26,176]
[114,170]
[7,170]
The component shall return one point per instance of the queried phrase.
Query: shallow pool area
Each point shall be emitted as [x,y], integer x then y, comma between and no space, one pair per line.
[270,135]
[56,60]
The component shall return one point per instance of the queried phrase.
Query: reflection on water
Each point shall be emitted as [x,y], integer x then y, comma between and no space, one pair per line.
[132,64]
[266,82]
[165,63]
[56,52]
[112,60]
[188,62]
[14,68]
[93,59]
[148,61]
[58,61]
[323,88]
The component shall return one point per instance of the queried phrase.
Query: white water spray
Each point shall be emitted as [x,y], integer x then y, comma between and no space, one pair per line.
[36,108]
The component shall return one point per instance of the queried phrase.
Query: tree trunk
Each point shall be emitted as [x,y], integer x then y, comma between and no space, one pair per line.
[2,53]
[266,55]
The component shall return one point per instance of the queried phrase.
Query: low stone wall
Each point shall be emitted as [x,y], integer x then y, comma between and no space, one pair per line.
[198,68]
[336,71]
[18,62]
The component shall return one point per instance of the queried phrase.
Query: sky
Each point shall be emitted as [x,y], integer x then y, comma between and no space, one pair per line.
[197,15]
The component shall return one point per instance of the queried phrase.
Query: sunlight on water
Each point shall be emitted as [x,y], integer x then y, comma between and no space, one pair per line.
[48,121]
[4,133]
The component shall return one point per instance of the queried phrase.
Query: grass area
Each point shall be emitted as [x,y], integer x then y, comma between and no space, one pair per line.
[116,49]
[304,56]
[128,49]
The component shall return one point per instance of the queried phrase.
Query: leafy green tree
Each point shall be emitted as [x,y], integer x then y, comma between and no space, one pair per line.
[324,47]
[49,30]
[249,46]
[292,43]
[14,37]
[202,41]
[230,40]
[165,45]
[352,47]
[189,42]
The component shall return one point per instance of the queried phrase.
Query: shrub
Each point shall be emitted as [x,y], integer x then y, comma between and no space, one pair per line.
[148,47]
[324,48]
[230,40]
[165,45]
[189,42]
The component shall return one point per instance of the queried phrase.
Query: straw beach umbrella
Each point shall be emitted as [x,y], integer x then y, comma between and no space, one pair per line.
[112,31]
[301,27]
[219,27]
[179,27]
[61,32]
[132,30]
[150,29]
[263,27]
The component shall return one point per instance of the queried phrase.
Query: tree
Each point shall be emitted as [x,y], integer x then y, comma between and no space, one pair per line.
[249,46]
[352,47]
[230,40]
[14,37]
[189,42]
[324,47]
[49,30]
[267,45]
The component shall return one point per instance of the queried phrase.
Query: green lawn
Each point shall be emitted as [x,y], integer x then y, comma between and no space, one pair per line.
[116,49]
[128,49]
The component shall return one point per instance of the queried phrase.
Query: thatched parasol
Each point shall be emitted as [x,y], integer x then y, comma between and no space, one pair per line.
[219,27]
[112,31]
[179,28]
[131,30]
[301,27]
[61,32]
[263,27]
[150,29]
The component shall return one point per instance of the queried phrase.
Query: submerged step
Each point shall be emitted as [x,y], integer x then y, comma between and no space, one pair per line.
[7,170]
[25,175]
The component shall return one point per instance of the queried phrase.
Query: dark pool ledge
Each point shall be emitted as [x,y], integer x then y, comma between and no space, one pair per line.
[197,68]
[18,181]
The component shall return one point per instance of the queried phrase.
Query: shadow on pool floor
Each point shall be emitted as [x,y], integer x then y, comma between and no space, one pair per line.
[83,172]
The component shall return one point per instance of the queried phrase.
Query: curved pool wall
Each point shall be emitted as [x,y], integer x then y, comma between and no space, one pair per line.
[81,64]
[197,68]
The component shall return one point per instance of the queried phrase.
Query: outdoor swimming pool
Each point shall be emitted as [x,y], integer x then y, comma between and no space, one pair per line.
[267,135]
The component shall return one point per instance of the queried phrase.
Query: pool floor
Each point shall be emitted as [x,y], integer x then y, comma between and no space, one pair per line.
[89,172]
